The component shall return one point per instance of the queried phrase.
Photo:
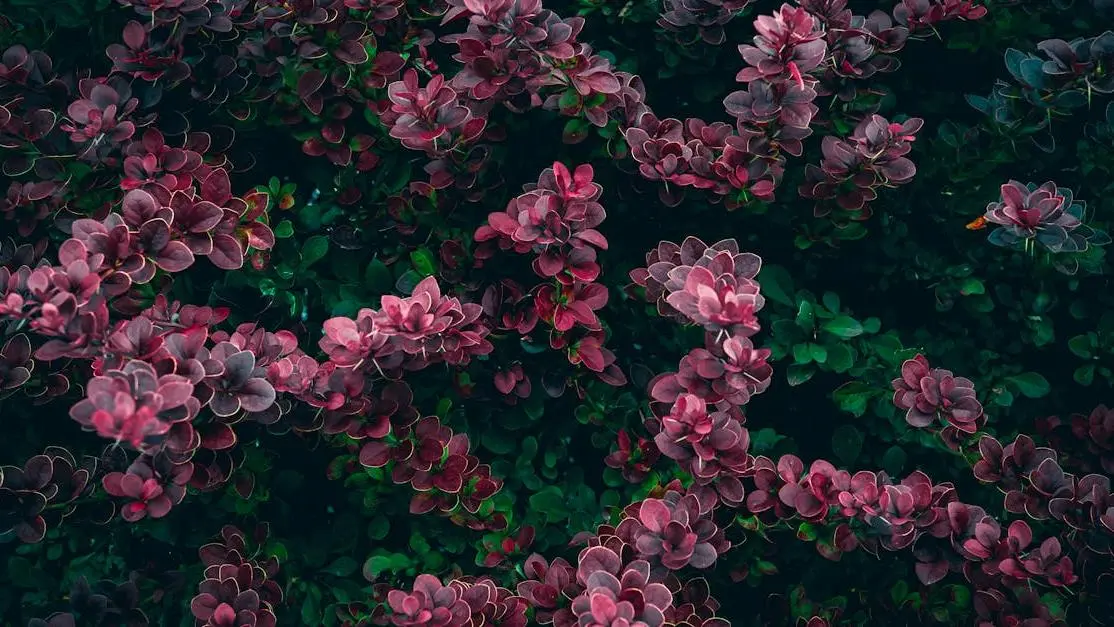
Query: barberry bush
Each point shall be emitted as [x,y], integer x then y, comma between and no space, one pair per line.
[484,312]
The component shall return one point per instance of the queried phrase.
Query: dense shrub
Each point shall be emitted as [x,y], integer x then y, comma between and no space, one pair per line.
[443,312]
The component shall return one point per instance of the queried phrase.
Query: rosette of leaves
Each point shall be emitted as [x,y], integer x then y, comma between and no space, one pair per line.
[491,604]
[1047,215]
[616,594]
[152,486]
[429,118]
[707,16]
[1085,58]
[238,588]
[16,364]
[98,120]
[135,405]
[23,499]
[926,393]
[675,531]
[148,55]
[723,288]
[430,603]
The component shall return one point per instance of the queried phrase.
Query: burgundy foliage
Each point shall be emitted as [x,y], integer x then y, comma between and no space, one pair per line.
[674,532]
[177,392]
[1044,214]
[854,169]
[928,394]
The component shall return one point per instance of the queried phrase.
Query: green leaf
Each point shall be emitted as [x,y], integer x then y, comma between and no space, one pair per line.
[840,358]
[569,100]
[851,232]
[777,285]
[311,606]
[818,353]
[498,442]
[400,561]
[284,271]
[847,443]
[534,408]
[797,374]
[613,478]
[961,596]
[533,348]
[806,316]
[1085,374]
[765,567]
[377,277]
[284,229]
[278,550]
[872,325]
[375,565]
[408,281]
[898,592]
[843,326]
[1030,384]
[1004,398]
[314,250]
[887,347]
[1078,309]
[378,528]
[830,301]
[575,130]
[801,354]
[341,567]
[971,286]
[419,544]
[267,287]
[852,397]
[764,440]
[423,261]
[397,175]
[529,448]
[1081,345]
[893,460]
[550,502]
[1042,302]
[1043,331]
